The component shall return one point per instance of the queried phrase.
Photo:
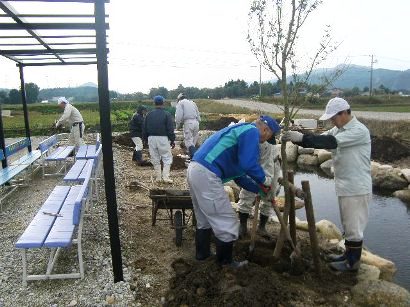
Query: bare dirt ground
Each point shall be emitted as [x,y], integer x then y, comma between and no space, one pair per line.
[169,275]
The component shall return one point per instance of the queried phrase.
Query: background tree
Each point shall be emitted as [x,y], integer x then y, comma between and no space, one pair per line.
[32,91]
[14,96]
[274,31]
[158,91]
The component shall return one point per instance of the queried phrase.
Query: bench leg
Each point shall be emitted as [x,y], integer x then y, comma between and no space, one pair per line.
[80,250]
[52,260]
[24,259]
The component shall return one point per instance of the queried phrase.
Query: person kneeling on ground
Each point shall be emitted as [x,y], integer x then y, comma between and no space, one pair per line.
[136,125]
[159,132]
[349,141]
[230,154]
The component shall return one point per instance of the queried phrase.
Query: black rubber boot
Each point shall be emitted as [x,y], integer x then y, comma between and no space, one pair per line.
[224,254]
[134,156]
[192,151]
[203,243]
[352,261]
[263,219]
[139,160]
[243,227]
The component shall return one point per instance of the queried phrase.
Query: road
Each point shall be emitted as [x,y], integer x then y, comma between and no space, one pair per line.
[266,107]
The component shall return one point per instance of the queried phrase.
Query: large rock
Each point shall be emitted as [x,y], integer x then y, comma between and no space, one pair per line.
[368,272]
[379,293]
[406,173]
[327,167]
[323,155]
[306,151]
[291,152]
[308,160]
[403,195]
[328,230]
[387,267]
[388,178]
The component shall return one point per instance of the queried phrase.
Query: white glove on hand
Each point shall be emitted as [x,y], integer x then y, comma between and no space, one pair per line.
[268,181]
[293,136]
[57,125]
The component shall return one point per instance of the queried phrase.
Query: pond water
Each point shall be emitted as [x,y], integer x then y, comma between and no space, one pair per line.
[388,231]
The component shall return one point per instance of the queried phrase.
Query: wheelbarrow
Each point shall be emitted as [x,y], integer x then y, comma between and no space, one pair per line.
[178,200]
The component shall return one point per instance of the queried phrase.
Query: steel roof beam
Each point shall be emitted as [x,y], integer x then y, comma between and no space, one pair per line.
[8,9]
[80,1]
[44,51]
[48,36]
[48,26]
[54,15]
[58,63]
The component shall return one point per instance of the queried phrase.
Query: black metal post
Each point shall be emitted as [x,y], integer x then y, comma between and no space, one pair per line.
[106,139]
[2,140]
[24,100]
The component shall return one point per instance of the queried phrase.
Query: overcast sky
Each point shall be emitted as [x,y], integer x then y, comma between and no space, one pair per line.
[203,43]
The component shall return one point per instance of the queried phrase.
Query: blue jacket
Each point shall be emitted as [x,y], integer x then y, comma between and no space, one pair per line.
[233,154]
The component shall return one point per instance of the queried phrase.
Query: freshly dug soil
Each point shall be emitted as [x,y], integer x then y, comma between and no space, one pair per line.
[123,139]
[387,149]
[262,283]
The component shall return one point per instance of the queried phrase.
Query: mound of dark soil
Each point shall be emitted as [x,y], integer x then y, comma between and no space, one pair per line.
[263,282]
[178,163]
[220,123]
[123,140]
[387,149]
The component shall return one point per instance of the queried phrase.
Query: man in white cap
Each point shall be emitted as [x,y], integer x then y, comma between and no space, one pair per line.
[349,141]
[229,154]
[187,114]
[75,121]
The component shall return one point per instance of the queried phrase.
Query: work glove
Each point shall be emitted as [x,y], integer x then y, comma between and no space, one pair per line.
[264,190]
[57,125]
[172,145]
[293,136]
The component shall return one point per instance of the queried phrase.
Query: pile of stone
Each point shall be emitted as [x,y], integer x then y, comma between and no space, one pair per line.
[384,177]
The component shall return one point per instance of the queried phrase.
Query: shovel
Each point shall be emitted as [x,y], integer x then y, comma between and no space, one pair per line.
[254,224]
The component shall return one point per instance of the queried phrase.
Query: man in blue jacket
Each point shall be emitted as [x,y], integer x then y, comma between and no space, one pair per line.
[230,154]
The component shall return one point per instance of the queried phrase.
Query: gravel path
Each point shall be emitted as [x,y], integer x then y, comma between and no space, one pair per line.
[266,107]
[96,289]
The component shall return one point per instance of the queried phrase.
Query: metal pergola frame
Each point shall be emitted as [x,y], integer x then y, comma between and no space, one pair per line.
[23,54]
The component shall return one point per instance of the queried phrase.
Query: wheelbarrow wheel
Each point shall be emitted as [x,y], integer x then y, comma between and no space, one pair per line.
[178,227]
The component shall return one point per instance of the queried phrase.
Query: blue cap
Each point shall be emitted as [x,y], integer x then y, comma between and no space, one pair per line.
[273,125]
[158,99]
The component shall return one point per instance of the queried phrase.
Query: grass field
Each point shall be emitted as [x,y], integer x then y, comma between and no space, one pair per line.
[43,116]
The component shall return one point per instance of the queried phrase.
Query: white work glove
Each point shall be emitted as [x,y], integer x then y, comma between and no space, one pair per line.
[57,125]
[268,181]
[293,136]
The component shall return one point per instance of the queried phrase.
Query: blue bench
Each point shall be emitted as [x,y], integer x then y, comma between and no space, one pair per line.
[57,225]
[54,154]
[88,151]
[76,172]
[9,174]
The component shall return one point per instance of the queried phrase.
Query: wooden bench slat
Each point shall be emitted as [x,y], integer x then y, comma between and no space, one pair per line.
[29,158]
[10,172]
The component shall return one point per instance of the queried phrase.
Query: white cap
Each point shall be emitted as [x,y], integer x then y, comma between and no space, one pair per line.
[334,106]
[61,100]
[180,96]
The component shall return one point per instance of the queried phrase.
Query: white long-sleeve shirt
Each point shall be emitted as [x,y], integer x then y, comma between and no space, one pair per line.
[186,109]
[71,115]
[351,159]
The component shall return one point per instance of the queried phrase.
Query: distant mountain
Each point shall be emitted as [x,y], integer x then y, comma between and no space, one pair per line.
[91,84]
[81,93]
[360,76]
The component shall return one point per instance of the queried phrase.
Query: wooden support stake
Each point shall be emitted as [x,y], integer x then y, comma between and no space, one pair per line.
[297,192]
[310,216]
[292,212]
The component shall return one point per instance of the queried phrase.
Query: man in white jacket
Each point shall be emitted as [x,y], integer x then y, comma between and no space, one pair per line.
[187,114]
[75,121]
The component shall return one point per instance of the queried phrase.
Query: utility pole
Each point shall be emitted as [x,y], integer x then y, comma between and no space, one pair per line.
[371,75]
[260,80]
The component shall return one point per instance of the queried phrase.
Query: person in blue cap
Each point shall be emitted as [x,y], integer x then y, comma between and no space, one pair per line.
[230,154]
[158,131]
